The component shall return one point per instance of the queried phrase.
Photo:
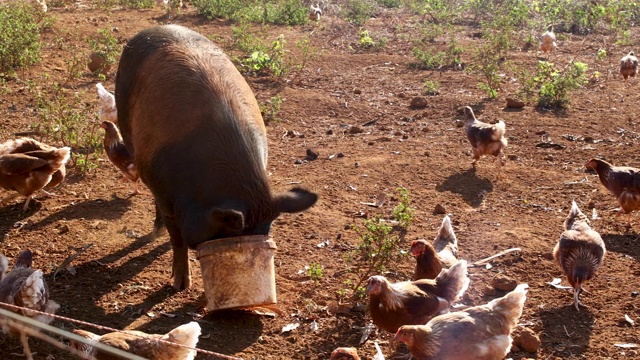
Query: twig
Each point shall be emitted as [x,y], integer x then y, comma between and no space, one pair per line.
[485,260]
[68,260]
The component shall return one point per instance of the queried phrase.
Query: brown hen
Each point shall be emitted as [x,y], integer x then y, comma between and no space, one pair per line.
[143,344]
[477,333]
[415,302]
[119,154]
[27,166]
[431,259]
[622,181]
[25,287]
[548,40]
[629,65]
[579,252]
[345,353]
[485,139]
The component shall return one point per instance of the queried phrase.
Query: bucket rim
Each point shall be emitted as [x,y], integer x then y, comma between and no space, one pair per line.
[256,241]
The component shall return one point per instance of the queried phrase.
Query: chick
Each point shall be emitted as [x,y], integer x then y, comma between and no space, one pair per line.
[548,40]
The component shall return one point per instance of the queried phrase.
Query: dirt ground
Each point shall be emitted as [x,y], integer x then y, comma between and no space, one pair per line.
[123,279]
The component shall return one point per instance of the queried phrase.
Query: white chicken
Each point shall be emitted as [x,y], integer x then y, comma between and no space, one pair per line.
[315,12]
[108,111]
[548,40]
[629,65]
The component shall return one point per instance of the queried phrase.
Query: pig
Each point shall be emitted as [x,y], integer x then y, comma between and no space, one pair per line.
[198,140]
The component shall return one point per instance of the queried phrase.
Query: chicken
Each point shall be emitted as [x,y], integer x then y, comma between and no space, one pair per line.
[415,302]
[119,154]
[622,181]
[350,353]
[27,166]
[108,110]
[629,66]
[430,259]
[548,40]
[25,287]
[485,139]
[315,12]
[579,252]
[476,333]
[345,353]
[145,345]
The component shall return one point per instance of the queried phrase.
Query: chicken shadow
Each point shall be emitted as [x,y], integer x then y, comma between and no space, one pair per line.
[624,244]
[97,209]
[467,184]
[566,330]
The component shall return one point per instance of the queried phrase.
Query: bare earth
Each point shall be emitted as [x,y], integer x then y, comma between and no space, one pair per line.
[123,280]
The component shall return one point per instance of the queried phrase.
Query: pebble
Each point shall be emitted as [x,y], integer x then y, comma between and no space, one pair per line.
[355,130]
[312,155]
[419,102]
[504,283]
[439,209]
[514,103]
[527,340]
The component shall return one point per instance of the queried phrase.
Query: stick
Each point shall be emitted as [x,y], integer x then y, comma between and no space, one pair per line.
[486,260]
[68,260]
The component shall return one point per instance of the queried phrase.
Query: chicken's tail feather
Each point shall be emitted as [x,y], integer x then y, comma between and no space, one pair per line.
[575,216]
[50,308]
[105,96]
[85,348]
[446,243]
[500,129]
[455,280]
[33,291]
[511,305]
[186,335]
[24,260]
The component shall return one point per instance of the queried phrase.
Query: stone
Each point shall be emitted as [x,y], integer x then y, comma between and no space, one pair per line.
[504,283]
[98,62]
[527,340]
[515,103]
[419,102]
[439,210]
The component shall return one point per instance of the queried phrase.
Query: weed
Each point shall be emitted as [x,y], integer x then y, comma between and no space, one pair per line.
[428,60]
[368,41]
[380,243]
[314,270]
[106,45]
[551,86]
[19,35]
[358,11]
[430,87]
[270,109]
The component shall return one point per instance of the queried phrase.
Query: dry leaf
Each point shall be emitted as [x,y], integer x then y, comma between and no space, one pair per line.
[366,331]
[169,315]
[556,284]
[380,200]
[629,320]
[627,345]
[340,308]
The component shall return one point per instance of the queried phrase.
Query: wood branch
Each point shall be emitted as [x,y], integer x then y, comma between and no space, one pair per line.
[486,260]
[68,260]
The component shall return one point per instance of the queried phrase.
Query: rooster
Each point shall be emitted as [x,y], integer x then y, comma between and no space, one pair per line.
[108,110]
[119,154]
[145,345]
[548,40]
[27,166]
[476,333]
[415,302]
[431,259]
[25,287]
[622,181]
[579,252]
[485,139]
[629,66]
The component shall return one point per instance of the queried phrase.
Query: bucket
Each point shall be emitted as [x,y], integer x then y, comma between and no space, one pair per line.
[238,272]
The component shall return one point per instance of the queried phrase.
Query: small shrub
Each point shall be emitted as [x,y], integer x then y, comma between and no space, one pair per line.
[367,41]
[314,270]
[431,87]
[106,45]
[270,109]
[358,11]
[428,60]
[550,86]
[19,35]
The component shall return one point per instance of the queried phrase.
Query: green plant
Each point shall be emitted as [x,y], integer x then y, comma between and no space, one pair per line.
[358,11]
[64,124]
[428,60]
[380,243]
[314,270]
[365,39]
[270,109]
[552,86]
[106,45]
[19,35]
[430,87]
[601,54]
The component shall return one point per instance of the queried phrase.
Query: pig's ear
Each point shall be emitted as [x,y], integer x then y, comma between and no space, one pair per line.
[294,200]
[228,222]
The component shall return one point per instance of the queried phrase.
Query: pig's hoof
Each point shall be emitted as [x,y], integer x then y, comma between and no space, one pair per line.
[181,282]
